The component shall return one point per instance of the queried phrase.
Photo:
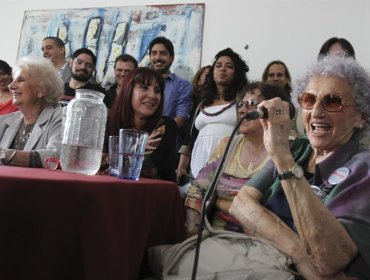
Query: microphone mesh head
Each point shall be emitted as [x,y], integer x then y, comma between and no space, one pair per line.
[254,115]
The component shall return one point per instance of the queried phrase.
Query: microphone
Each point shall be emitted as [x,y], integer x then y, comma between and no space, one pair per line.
[260,113]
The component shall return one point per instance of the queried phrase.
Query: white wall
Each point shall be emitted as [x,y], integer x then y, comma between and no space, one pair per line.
[290,30]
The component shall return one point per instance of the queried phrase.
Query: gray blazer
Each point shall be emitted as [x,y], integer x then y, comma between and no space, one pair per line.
[46,136]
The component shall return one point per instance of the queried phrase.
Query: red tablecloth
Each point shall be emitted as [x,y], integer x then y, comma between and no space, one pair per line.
[56,225]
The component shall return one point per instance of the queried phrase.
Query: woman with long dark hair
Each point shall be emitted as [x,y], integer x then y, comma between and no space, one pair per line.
[217,113]
[139,106]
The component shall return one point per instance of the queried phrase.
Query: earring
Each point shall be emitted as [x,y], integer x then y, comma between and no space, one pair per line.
[38,101]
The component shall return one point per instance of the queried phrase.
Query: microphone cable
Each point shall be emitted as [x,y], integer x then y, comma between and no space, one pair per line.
[253,115]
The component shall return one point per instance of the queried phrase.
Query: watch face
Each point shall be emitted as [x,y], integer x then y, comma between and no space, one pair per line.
[298,171]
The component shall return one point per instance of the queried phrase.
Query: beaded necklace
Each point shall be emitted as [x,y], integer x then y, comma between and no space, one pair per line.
[218,112]
[22,136]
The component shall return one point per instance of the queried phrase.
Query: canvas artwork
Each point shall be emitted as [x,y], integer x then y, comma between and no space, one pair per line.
[112,31]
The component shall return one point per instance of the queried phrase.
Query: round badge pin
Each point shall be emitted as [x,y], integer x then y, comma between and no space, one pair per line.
[338,175]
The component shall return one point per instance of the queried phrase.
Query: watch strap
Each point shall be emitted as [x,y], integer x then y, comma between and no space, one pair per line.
[296,171]
[285,175]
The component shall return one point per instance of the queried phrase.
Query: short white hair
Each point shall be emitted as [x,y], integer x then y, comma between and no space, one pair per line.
[45,75]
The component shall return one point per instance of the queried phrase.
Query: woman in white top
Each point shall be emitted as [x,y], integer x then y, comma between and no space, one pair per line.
[217,114]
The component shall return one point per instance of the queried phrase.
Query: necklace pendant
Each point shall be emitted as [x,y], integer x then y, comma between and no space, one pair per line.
[250,168]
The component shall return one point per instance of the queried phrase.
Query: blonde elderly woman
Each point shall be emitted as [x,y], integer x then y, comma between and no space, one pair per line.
[311,201]
[32,134]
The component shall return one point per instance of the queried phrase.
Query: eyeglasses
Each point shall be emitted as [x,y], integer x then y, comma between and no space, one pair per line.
[329,102]
[4,81]
[249,104]
[52,163]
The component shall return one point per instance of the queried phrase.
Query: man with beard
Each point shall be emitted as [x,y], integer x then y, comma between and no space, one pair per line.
[82,67]
[177,93]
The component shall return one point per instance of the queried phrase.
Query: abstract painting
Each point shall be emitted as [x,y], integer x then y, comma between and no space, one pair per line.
[112,31]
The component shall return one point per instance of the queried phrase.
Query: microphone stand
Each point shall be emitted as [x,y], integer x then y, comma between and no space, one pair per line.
[209,194]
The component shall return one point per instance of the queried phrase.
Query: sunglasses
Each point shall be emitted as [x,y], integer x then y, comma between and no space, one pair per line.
[249,104]
[329,102]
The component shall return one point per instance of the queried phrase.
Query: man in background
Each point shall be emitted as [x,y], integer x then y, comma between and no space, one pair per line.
[123,65]
[53,49]
[177,93]
[277,73]
[82,68]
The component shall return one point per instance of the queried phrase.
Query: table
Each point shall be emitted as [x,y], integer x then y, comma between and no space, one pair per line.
[57,225]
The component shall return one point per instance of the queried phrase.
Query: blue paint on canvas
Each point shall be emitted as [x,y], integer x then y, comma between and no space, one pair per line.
[109,32]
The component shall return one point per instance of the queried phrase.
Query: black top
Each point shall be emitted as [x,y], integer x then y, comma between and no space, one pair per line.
[162,162]
[111,96]
[70,93]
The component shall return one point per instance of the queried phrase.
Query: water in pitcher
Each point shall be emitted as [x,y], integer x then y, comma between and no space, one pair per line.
[80,159]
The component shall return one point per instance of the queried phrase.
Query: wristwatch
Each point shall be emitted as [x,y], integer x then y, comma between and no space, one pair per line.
[295,171]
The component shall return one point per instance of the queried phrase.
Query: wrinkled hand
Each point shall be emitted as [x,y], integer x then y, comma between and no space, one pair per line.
[192,222]
[153,141]
[276,127]
[243,210]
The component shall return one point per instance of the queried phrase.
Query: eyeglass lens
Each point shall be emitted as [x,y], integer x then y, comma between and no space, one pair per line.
[249,104]
[330,102]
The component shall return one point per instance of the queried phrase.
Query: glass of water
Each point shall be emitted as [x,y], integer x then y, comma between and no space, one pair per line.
[113,155]
[131,153]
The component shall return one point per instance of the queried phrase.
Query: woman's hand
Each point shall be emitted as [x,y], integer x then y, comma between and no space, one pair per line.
[276,128]
[153,141]
[180,172]
[192,222]
[182,167]
[104,166]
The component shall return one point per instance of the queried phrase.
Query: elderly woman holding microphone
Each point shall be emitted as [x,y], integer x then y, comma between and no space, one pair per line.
[32,134]
[311,201]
